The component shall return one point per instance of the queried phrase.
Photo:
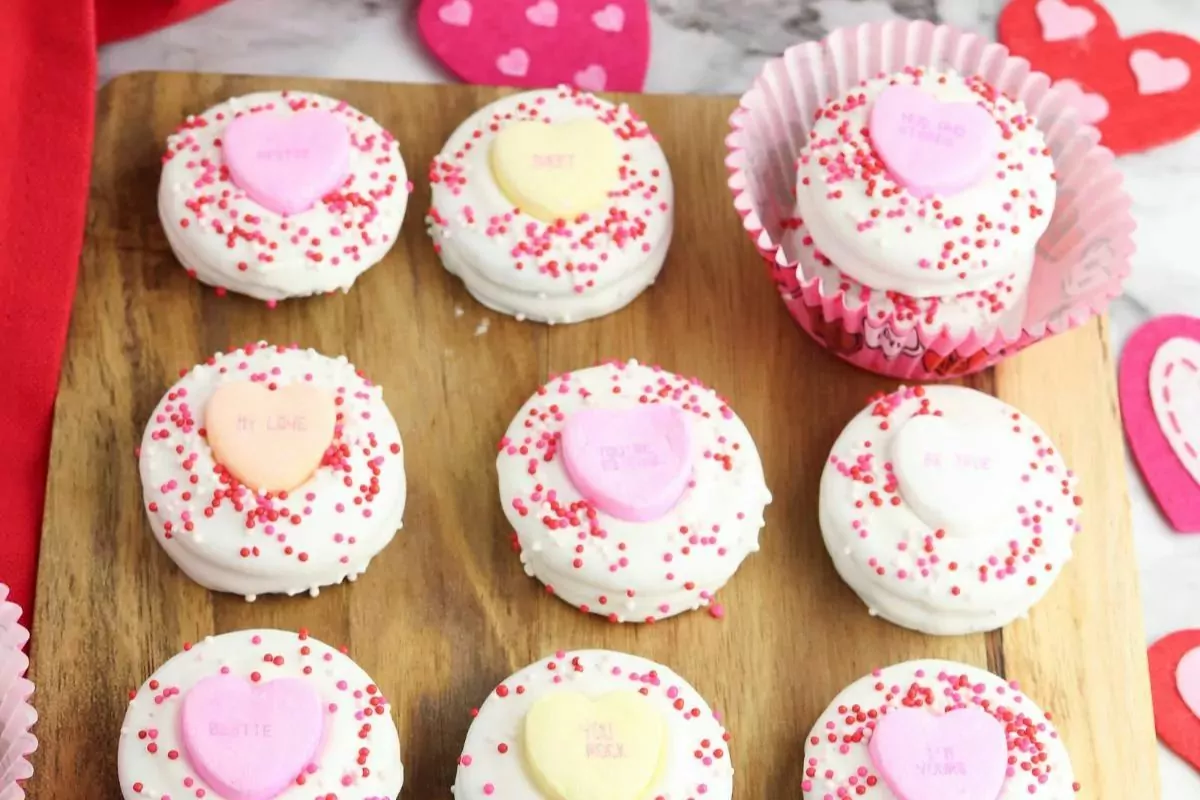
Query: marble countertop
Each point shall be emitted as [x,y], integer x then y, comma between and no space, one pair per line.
[717,47]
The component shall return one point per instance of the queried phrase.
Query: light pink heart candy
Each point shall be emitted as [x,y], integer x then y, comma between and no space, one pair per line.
[1061,21]
[961,755]
[249,742]
[1187,680]
[632,463]
[1158,75]
[932,147]
[287,162]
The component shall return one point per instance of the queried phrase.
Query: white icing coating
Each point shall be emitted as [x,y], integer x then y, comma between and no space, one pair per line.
[227,240]
[837,762]
[153,763]
[692,727]
[330,531]
[632,571]
[885,237]
[1000,306]
[931,574]
[549,272]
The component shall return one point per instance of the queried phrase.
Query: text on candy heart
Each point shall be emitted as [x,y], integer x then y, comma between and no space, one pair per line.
[240,730]
[277,422]
[921,128]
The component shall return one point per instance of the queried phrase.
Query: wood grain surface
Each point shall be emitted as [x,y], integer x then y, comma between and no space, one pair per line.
[446,612]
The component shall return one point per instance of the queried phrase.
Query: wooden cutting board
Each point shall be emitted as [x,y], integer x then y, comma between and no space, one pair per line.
[446,612]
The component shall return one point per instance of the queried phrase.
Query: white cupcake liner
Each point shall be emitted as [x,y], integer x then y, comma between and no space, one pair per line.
[1081,261]
[17,716]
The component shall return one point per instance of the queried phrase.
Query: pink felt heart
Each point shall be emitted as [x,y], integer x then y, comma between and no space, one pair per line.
[593,44]
[931,147]
[960,755]
[1061,21]
[1187,680]
[247,741]
[1157,75]
[1176,720]
[1160,404]
[270,440]
[632,463]
[287,162]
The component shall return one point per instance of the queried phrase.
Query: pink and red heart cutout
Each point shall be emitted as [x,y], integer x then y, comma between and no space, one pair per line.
[1141,91]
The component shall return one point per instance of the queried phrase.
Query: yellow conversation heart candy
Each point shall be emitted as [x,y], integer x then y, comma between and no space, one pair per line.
[611,748]
[556,171]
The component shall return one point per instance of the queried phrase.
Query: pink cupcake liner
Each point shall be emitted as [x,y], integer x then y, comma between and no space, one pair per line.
[17,716]
[1081,262]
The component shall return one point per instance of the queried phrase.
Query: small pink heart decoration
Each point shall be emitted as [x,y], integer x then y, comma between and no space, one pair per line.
[270,440]
[457,13]
[287,162]
[611,18]
[1061,21]
[632,463]
[1093,107]
[1158,75]
[249,742]
[1159,386]
[545,13]
[1187,680]
[960,755]
[541,43]
[932,147]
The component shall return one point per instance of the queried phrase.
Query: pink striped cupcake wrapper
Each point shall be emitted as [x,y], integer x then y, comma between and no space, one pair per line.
[1081,262]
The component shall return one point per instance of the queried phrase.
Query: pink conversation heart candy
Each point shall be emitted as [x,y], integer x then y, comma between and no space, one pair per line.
[931,147]
[287,162]
[632,463]
[960,755]
[249,742]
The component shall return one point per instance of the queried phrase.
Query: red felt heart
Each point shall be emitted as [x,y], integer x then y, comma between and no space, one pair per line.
[1049,33]
[1177,726]
[1159,459]
[597,45]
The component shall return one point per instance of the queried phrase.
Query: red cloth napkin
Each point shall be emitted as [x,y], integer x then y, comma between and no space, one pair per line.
[47,95]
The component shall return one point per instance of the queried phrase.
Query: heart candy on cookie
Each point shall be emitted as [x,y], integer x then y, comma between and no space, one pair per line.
[632,463]
[287,162]
[1159,384]
[574,745]
[931,147]
[556,171]
[960,755]
[949,473]
[248,741]
[271,440]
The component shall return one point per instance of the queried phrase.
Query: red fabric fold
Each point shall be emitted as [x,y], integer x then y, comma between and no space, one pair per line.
[47,101]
